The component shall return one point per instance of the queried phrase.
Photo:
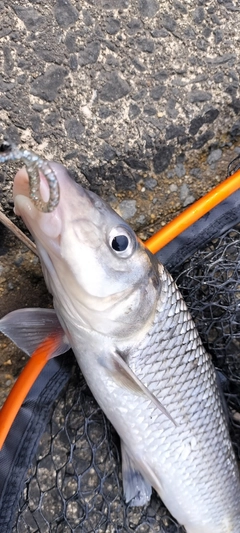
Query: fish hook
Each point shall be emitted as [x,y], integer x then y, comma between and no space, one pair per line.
[9,152]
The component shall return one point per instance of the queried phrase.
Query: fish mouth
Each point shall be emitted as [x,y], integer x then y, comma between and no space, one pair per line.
[76,218]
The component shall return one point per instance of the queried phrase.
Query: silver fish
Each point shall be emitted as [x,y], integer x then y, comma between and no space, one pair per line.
[139,351]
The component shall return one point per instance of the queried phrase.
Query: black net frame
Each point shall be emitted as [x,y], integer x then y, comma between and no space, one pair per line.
[74,483]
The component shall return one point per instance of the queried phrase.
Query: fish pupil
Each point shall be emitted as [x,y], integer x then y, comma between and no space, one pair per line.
[120,243]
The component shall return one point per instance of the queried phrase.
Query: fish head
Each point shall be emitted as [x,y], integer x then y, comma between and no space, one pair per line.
[93,263]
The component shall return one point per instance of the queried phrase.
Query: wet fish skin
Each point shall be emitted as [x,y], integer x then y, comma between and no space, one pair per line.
[125,311]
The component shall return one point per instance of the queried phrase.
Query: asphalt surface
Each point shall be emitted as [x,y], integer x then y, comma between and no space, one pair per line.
[138,99]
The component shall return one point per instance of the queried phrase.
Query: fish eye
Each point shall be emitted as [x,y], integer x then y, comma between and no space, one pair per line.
[122,242]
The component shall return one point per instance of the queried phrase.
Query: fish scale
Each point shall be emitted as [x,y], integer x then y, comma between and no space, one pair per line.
[213,460]
[194,462]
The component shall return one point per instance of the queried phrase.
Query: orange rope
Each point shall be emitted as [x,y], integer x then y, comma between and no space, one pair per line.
[24,383]
[193,213]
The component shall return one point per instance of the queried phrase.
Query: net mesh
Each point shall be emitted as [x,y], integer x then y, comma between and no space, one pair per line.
[75,482]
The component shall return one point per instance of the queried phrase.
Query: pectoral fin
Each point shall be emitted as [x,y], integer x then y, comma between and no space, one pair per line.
[136,489]
[126,377]
[27,328]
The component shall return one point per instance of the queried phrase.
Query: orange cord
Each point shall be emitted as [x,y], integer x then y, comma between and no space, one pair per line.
[41,355]
[24,383]
[193,213]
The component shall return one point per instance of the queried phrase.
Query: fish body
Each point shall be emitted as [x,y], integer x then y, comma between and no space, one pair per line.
[191,465]
[141,356]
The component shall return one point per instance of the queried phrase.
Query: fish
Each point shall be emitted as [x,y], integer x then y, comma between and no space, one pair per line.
[140,353]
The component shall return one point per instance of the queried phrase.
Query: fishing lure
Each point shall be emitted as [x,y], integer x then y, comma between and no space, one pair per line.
[34,164]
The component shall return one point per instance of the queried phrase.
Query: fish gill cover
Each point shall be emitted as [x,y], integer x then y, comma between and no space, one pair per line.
[74,483]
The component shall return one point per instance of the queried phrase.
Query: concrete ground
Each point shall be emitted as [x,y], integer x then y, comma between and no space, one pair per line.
[139,99]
